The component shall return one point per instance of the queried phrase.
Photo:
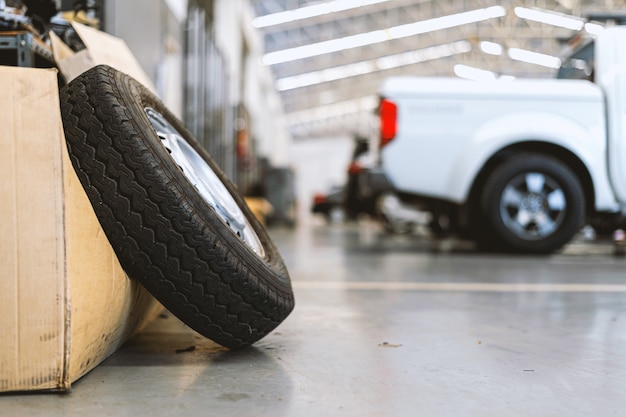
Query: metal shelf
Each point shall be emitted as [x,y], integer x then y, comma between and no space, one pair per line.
[27,48]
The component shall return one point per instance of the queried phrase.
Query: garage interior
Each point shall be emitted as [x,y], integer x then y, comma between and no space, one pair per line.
[387,326]
[384,324]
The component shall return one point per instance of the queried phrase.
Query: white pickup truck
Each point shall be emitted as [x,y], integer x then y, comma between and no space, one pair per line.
[520,164]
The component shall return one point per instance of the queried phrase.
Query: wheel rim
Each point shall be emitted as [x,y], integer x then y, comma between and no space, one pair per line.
[205,181]
[533,206]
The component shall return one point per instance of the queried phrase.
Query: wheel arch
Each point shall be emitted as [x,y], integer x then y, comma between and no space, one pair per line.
[566,156]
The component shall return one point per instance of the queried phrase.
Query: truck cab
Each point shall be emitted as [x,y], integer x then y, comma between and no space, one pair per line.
[520,164]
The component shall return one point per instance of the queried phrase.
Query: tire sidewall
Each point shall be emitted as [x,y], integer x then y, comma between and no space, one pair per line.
[136,98]
[499,234]
[164,232]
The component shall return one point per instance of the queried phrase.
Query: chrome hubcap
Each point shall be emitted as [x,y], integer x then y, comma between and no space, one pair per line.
[205,180]
[533,206]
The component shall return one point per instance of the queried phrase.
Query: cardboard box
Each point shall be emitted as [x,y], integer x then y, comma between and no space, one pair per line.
[100,48]
[65,302]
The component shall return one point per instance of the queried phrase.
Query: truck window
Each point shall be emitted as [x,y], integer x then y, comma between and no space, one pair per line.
[579,66]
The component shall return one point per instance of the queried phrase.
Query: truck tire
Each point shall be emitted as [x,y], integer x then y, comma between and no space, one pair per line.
[176,223]
[531,203]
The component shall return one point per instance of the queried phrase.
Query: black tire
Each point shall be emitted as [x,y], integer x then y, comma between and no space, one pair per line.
[531,203]
[164,232]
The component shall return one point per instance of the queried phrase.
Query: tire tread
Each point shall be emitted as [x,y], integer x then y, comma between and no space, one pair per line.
[161,239]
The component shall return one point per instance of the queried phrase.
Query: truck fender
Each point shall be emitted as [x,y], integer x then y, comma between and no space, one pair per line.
[588,144]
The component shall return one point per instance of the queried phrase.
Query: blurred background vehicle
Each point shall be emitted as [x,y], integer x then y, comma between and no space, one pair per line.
[330,204]
[515,164]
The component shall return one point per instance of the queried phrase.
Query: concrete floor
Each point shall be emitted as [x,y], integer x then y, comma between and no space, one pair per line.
[388,326]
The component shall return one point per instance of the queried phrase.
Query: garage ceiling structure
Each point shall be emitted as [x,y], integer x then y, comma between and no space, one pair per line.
[329,57]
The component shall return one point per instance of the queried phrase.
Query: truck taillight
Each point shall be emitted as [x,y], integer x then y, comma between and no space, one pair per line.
[388,121]
[354,168]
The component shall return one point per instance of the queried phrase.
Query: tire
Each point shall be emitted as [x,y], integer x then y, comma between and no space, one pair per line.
[176,223]
[532,203]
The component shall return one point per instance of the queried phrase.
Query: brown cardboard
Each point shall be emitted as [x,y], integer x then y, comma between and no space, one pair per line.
[101,48]
[65,302]
[260,207]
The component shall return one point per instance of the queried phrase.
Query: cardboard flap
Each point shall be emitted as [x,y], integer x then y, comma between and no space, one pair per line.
[101,48]
[60,50]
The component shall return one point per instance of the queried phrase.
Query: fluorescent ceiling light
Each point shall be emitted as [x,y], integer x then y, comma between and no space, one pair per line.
[491,48]
[421,55]
[378,36]
[446,22]
[330,74]
[320,48]
[550,18]
[472,73]
[334,110]
[534,58]
[366,67]
[310,11]
[479,74]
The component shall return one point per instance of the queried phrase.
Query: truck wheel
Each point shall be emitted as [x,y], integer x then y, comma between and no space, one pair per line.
[176,223]
[532,203]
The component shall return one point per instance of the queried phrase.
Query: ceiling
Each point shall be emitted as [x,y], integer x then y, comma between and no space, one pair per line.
[328,84]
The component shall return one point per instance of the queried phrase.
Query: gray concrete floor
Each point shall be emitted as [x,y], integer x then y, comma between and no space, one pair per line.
[388,326]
